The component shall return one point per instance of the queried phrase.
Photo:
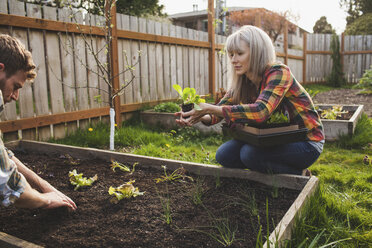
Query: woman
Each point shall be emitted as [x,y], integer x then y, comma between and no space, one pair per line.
[260,86]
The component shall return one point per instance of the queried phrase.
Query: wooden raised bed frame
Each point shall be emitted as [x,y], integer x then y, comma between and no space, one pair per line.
[282,231]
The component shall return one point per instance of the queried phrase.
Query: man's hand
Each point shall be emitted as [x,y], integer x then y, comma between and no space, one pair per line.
[49,189]
[55,200]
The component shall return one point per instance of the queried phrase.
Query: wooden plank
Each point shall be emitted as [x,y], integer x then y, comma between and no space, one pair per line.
[283,230]
[173,62]
[185,56]
[166,49]
[206,67]
[191,36]
[68,71]
[93,70]
[54,72]
[197,70]
[159,65]
[35,23]
[134,59]
[7,240]
[127,54]
[121,53]
[144,63]
[16,8]
[3,7]
[152,63]
[211,39]
[179,59]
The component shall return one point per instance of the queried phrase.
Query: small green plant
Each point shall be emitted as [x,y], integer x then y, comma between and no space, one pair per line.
[79,181]
[123,167]
[176,175]
[312,93]
[336,78]
[365,83]
[332,113]
[197,192]
[167,107]
[188,95]
[277,118]
[165,203]
[126,190]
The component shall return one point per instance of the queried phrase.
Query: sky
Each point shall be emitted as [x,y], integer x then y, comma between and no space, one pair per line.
[308,11]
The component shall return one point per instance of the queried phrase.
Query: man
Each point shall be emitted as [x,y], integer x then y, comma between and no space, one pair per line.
[18,184]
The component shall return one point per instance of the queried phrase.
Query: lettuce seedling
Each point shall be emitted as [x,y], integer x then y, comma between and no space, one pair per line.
[180,173]
[333,113]
[126,190]
[123,167]
[188,95]
[79,181]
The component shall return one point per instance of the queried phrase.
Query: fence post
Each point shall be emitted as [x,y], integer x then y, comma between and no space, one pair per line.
[304,52]
[212,45]
[115,65]
[342,51]
[286,42]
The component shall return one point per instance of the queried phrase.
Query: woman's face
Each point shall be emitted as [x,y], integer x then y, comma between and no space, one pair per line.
[240,59]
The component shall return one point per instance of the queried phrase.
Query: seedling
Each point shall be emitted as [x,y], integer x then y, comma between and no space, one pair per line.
[332,113]
[126,190]
[123,167]
[79,181]
[277,118]
[71,160]
[189,96]
[178,174]
[165,203]
[197,192]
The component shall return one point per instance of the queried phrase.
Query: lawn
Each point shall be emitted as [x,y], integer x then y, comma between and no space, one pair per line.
[339,214]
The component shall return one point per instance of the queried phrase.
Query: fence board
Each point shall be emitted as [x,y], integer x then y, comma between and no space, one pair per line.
[173,62]
[54,72]
[68,75]
[159,64]
[3,7]
[179,59]
[152,62]
[185,56]
[191,62]
[127,55]
[197,57]
[206,71]
[166,61]
[133,60]
[144,63]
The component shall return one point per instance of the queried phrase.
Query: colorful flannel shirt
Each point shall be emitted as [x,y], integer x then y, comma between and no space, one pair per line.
[279,90]
[12,183]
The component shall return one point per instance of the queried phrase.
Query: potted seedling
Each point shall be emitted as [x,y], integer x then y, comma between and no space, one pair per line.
[189,98]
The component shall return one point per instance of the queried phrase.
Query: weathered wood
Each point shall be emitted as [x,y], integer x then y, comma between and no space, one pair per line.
[122,23]
[179,59]
[211,39]
[166,64]
[7,240]
[144,63]
[159,65]
[136,87]
[173,62]
[3,7]
[283,230]
[185,62]
[152,63]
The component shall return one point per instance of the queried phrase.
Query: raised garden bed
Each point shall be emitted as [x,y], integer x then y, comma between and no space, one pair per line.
[168,121]
[345,124]
[139,222]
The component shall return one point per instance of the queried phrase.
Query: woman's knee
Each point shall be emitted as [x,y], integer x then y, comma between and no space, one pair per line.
[228,153]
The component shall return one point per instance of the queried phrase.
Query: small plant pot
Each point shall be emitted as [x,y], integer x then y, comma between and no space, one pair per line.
[187,108]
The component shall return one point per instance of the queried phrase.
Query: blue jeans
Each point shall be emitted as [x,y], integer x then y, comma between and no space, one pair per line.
[289,158]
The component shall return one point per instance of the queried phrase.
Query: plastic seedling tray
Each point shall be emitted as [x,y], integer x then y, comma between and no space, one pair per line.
[268,136]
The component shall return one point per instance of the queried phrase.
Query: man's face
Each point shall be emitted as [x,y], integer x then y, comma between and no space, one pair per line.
[10,86]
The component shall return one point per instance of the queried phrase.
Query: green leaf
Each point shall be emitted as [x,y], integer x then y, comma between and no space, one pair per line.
[178,89]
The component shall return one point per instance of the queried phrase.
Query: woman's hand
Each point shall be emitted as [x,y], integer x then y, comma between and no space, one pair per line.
[193,116]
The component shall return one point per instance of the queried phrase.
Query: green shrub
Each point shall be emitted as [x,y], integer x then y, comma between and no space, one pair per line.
[362,135]
[167,107]
[336,78]
[365,82]
[361,26]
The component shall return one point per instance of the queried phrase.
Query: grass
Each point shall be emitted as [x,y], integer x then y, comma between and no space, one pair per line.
[339,215]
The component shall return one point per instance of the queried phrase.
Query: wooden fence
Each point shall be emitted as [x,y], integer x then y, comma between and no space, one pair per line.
[170,54]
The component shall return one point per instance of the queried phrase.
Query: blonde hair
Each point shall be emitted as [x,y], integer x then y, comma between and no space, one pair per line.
[261,55]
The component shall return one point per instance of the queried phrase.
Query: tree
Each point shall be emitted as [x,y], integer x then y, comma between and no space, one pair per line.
[361,26]
[322,26]
[336,78]
[127,7]
[103,68]
[356,8]
[271,22]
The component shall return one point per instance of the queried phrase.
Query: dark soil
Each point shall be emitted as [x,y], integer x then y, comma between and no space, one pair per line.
[139,222]
[345,96]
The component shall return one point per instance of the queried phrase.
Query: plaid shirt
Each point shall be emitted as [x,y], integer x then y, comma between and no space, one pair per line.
[279,89]
[12,183]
